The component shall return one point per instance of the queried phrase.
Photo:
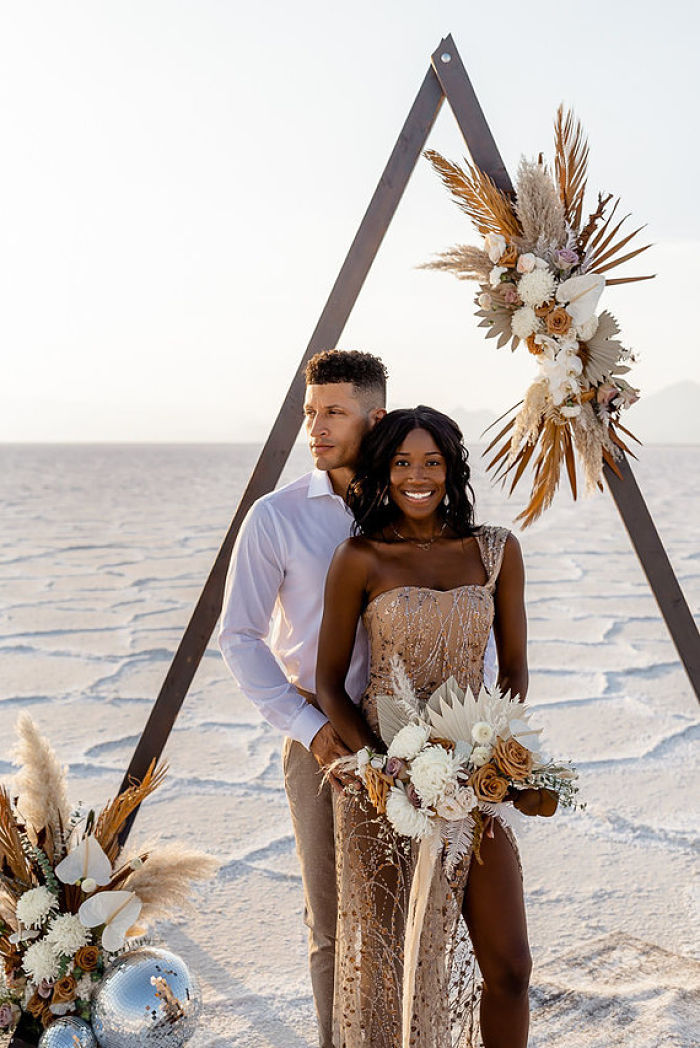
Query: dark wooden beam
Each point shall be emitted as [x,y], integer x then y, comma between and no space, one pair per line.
[275,453]
[657,567]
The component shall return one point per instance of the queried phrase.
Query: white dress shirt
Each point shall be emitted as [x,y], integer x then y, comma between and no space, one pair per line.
[273,603]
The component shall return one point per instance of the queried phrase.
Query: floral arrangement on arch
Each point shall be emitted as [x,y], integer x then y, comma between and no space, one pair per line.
[69,897]
[542,270]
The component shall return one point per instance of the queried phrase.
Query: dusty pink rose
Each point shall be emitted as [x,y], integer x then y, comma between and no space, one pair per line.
[45,988]
[394,766]
[566,258]
[510,295]
[606,394]
[526,263]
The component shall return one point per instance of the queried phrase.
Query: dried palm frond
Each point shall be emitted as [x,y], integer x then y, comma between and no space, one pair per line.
[547,470]
[116,811]
[12,854]
[570,164]
[538,207]
[594,220]
[41,786]
[497,322]
[464,260]
[603,250]
[164,882]
[478,196]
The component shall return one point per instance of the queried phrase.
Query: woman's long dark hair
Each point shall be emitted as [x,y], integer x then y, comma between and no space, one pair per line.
[370,485]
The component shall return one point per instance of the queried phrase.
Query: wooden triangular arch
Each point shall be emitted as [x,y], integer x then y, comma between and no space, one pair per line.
[446,78]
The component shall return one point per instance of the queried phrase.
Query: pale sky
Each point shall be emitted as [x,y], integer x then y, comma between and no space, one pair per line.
[181,180]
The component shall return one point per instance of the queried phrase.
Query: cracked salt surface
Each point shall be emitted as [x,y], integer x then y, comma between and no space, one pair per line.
[103,554]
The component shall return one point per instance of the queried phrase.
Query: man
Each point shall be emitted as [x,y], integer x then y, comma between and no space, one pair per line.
[271,618]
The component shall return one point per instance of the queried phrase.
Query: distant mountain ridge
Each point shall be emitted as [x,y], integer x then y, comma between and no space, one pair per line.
[671,416]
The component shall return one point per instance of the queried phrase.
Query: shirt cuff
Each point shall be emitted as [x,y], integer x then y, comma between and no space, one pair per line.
[307,723]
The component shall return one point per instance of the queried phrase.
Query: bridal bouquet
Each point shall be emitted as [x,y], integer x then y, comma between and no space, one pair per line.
[69,898]
[459,761]
[542,270]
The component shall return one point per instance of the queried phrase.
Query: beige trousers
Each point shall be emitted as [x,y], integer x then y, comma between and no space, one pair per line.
[312,820]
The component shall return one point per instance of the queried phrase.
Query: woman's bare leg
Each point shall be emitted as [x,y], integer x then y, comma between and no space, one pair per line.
[494,910]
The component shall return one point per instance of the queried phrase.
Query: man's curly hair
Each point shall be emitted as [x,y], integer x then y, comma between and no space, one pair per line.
[366,372]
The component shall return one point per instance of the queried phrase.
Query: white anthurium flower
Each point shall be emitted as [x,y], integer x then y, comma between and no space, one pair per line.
[494,245]
[581,295]
[89,861]
[117,910]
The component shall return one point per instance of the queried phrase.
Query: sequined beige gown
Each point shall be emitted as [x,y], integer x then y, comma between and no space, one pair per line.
[437,635]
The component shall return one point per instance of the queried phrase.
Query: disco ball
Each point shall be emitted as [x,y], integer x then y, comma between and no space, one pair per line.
[148,998]
[68,1032]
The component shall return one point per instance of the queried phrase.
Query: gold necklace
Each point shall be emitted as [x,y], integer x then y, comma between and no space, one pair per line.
[419,543]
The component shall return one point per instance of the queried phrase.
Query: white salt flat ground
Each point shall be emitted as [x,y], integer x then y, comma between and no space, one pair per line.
[103,552]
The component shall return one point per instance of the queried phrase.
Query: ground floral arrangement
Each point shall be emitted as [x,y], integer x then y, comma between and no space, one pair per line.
[70,899]
[541,272]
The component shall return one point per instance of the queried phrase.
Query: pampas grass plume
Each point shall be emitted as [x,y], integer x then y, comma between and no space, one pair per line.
[41,780]
[164,882]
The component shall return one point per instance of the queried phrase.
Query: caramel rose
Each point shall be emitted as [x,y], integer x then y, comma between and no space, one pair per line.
[509,257]
[36,1005]
[543,310]
[532,345]
[512,758]
[64,990]
[47,1017]
[86,958]
[487,784]
[558,321]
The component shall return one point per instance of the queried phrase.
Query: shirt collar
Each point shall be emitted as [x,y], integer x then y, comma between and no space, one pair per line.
[320,484]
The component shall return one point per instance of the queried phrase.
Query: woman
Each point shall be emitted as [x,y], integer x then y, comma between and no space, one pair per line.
[428,585]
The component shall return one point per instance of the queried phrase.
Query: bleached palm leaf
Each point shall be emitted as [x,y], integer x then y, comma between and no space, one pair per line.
[478,196]
[453,712]
[392,717]
[602,350]
[497,324]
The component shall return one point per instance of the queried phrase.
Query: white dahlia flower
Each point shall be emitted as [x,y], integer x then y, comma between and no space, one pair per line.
[457,803]
[482,732]
[431,771]
[537,287]
[524,322]
[34,906]
[480,754]
[406,820]
[85,988]
[40,961]
[409,741]
[67,934]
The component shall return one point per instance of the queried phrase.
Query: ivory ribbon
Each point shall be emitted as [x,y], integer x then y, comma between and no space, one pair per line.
[428,851]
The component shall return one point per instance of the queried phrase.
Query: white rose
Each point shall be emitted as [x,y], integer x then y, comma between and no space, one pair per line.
[362,758]
[526,263]
[485,300]
[431,771]
[524,322]
[494,245]
[377,762]
[480,754]
[541,263]
[457,804]
[406,820]
[409,741]
[482,732]
[495,275]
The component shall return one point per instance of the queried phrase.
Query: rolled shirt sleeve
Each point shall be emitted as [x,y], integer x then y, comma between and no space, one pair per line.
[255,575]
